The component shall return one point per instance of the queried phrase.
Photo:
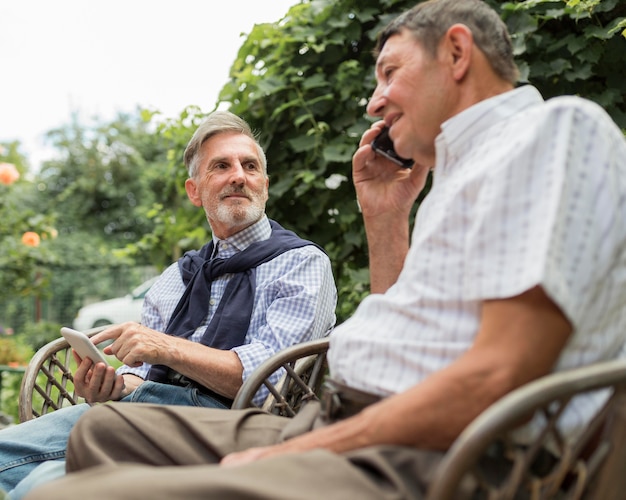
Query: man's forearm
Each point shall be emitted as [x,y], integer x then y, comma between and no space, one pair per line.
[520,339]
[219,370]
[388,244]
[428,415]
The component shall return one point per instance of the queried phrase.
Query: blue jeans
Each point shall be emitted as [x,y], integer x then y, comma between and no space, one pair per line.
[25,446]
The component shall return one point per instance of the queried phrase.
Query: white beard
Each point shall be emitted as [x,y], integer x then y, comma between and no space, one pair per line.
[239,216]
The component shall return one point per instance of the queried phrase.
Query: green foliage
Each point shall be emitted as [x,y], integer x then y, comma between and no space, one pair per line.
[10,391]
[14,350]
[177,224]
[573,47]
[102,178]
[303,83]
[10,153]
[16,353]
[37,335]
[90,200]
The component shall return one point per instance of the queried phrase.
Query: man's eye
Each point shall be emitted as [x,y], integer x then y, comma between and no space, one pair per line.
[252,166]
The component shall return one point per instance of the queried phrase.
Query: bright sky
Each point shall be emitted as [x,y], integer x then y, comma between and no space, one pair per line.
[99,58]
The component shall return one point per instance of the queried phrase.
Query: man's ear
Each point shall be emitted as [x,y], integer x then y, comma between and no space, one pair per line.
[459,43]
[267,189]
[192,192]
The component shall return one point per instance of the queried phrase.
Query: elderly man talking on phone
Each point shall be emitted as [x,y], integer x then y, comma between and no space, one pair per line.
[253,290]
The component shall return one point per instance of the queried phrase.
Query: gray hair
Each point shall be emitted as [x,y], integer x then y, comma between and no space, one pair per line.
[218,122]
[430,20]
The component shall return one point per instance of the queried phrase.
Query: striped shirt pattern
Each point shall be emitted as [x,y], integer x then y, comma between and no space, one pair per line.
[525,192]
[295,300]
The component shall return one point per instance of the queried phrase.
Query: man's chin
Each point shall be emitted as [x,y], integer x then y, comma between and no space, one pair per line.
[238,216]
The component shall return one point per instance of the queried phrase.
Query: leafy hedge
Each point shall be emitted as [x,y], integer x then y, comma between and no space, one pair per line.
[303,83]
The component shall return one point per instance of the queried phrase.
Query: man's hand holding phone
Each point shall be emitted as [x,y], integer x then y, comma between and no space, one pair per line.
[382,187]
[386,194]
[95,380]
[383,145]
[83,345]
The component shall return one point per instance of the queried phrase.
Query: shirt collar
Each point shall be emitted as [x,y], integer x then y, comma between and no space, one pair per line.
[259,231]
[477,118]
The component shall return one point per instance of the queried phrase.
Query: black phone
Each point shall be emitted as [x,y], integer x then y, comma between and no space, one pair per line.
[383,145]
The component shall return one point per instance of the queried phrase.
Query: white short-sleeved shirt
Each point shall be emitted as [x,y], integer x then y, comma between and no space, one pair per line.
[525,192]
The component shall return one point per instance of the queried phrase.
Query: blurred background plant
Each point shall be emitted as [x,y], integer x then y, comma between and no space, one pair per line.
[24,232]
[14,351]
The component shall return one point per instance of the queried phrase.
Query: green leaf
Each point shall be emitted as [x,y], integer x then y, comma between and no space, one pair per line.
[339,153]
[302,143]
[315,81]
[579,72]
[603,33]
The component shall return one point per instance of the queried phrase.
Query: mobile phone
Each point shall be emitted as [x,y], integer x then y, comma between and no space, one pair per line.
[383,145]
[83,345]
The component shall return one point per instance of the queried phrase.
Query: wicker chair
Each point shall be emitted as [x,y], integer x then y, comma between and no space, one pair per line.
[49,375]
[47,384]
[305,368]
[591,467]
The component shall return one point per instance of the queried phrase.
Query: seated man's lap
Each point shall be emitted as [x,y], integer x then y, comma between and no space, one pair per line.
[190,435]
[24,446]
[43,473]
[200,437]
[157,393]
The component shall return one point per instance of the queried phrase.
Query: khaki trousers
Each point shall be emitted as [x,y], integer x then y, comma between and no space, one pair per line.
[142,451]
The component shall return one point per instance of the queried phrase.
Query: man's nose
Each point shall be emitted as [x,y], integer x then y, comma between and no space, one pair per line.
[237,174]
[376,103]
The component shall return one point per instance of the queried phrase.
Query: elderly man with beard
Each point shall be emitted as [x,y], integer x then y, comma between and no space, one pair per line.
[253,290]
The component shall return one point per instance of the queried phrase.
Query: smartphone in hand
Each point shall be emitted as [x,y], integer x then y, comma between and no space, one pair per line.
[383,145]
[83,345]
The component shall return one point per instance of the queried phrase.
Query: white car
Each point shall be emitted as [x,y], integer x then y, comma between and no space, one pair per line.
[119,310]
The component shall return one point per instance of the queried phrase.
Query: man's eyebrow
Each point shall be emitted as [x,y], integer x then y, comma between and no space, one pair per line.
[251,158]
[381,61]
[227,159]
[217,159]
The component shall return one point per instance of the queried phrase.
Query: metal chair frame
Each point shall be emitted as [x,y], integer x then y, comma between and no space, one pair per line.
[587,467]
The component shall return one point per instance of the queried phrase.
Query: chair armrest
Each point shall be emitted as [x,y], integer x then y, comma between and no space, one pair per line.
[577,461]
[48,374]
[305,368]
